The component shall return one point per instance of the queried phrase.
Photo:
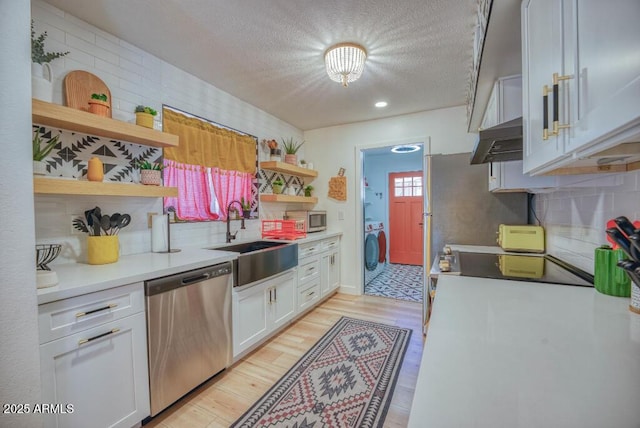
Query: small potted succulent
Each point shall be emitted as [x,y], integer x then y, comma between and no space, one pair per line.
[308,190]
[277,185]
[246,207]
[303,163]
[150,173]
[145,115]
[291,147]
[40,152]
[98,105]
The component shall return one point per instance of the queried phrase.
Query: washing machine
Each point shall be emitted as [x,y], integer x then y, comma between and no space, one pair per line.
[375,250]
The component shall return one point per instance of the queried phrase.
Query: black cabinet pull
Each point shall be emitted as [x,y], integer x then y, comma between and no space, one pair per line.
[545,113]
[83,341]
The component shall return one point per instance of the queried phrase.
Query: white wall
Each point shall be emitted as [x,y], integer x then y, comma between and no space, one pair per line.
[137,77]
[339,146]
[19,358]
[575,219]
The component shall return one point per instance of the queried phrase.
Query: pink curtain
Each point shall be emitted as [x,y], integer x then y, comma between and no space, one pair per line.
[230,186]
[194,199]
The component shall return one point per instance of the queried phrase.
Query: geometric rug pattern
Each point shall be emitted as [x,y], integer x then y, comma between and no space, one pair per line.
[403,282]
[345,380]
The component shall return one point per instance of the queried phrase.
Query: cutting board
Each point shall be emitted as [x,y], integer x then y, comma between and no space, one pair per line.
[78,87]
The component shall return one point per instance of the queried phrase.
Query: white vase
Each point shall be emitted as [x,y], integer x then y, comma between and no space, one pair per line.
[42,82]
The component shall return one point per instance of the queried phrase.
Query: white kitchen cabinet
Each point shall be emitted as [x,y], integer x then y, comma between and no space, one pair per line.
[260,309]
[589,50]
[318,271]
[543,31]
[330,275]
[99,368]
[508,177]
[505,102]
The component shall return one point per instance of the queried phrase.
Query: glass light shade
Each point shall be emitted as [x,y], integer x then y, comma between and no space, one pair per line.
[345,62]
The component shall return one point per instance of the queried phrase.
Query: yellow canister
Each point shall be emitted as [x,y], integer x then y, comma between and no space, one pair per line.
[95,170]
[102,249]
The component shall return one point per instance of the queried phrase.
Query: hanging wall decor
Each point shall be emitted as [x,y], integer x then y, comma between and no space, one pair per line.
[338,186]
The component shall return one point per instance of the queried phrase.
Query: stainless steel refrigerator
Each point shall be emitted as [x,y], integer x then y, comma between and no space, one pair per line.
[459,207]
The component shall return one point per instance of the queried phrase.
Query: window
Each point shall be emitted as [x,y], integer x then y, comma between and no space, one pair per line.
[408,186]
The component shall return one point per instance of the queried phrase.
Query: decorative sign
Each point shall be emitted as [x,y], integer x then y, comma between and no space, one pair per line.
[338,186]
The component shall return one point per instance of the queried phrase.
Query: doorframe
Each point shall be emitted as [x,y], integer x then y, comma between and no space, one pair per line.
[359,211]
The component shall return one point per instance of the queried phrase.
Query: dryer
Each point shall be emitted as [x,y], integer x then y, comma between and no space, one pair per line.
[375,250]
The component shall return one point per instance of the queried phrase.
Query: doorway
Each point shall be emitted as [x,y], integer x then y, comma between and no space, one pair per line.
[386,274]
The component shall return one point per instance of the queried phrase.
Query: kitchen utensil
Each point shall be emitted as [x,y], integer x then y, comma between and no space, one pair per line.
[114,220]
[80,225]
[96,224]
[630,269]
[123,221]
[624,225]
[634,241]
[621,240]
[611,224]
[78,87]
[105,223]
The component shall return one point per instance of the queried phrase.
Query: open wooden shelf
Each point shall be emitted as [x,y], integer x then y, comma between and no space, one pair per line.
[288,198]
[62,117]
[287,168]
[61,186]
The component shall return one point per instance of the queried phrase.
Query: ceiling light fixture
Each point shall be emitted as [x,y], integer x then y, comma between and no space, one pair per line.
[406,148]
[381,104]
[345,62]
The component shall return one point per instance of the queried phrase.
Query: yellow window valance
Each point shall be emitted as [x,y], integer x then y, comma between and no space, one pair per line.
[202,143]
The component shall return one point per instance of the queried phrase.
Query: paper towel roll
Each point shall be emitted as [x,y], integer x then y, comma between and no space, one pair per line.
[159,233]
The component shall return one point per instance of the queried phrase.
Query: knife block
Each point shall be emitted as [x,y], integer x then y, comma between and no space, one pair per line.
[608,277]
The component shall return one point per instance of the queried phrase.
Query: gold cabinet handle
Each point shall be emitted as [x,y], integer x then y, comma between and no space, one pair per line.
[104,308]
[83,341]
[556,101]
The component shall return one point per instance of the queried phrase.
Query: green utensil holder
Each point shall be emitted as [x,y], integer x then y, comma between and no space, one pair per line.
[609,278]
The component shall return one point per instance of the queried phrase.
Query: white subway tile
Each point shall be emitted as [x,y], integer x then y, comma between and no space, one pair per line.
[91,48]
[117,71]
[125,64]
[41,5]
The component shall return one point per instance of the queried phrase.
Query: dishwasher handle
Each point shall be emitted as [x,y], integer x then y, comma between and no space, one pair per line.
[197,278]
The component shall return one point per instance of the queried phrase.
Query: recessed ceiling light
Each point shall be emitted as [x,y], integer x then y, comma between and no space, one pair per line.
[406,148]
[381,104]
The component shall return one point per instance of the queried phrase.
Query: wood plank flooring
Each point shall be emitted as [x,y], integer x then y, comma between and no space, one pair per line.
[219,402]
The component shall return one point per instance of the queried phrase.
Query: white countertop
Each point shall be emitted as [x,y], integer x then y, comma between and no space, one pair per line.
[75,279]
[518,354]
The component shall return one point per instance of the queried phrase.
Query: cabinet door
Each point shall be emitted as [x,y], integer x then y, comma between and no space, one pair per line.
[283,302]
[542,51]
[105,378]
[325,268]
[606,43]
[250,318]
[334,270]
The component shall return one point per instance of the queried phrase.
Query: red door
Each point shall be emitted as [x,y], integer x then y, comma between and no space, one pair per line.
[405,218]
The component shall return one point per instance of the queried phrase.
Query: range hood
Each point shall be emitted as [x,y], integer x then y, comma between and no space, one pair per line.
[499,143]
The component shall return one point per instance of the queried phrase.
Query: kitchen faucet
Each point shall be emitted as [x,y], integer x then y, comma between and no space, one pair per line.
[229,235]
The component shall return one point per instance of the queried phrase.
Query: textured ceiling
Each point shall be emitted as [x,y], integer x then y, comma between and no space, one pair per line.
[270,53]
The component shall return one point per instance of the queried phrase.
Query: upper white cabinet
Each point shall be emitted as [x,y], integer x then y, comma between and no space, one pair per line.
[581,83]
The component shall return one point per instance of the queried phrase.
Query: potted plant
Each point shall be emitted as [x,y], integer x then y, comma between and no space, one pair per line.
[41,86]
[291,148]
[277,185]
[98,105]
[246,207]
[150,173]
[303,163]
[40,152]
[308,190]
[145,115]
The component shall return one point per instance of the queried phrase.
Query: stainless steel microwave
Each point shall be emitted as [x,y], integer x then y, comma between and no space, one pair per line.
[315,221]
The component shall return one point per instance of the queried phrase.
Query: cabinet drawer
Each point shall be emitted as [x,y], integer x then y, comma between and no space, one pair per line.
[308,270]
[70,316]
[308,295]
[330,244]
[308,249]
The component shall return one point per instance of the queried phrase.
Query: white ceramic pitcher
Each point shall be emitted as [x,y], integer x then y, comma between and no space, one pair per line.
[41,86]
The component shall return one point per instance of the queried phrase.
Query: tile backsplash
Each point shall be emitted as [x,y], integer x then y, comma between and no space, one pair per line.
[575,219]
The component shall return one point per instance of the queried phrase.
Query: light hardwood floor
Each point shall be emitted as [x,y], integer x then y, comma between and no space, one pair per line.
[220,401]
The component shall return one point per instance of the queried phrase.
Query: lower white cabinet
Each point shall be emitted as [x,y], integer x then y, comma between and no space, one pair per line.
[260,309]
[330,273]
[98,376]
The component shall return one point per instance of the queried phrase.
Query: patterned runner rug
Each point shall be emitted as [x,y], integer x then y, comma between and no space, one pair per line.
[345,380]
[397,281]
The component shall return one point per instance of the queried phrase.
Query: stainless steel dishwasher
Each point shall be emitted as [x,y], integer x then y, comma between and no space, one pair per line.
[188,331]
